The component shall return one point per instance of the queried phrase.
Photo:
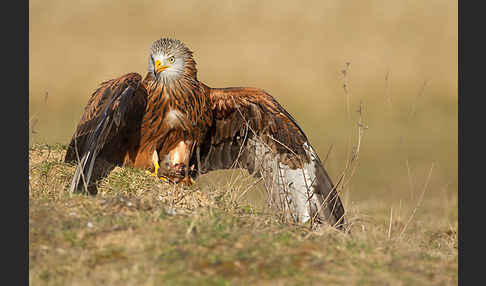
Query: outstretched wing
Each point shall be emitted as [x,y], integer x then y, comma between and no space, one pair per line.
[251,130]
[109,128]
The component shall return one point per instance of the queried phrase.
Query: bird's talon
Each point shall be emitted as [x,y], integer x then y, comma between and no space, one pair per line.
[164,179]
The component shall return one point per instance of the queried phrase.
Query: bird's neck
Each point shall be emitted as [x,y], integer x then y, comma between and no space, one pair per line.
[176,92]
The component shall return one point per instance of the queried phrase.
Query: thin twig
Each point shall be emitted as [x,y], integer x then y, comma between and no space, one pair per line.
[410,181]
[248,188]
[353,157]
[33,120]
[419,201]
[346,87]
[327,154]
[414,104]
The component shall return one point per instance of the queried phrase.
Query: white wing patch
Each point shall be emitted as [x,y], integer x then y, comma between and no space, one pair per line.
[289,190]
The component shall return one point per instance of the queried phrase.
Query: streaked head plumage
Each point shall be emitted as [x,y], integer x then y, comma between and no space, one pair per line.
[170,60]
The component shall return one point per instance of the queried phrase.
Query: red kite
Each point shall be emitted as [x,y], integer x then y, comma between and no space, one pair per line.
[177,127]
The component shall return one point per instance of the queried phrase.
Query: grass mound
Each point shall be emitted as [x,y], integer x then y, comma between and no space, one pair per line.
[140,231]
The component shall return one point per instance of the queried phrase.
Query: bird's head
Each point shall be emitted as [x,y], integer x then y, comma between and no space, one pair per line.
[171,60]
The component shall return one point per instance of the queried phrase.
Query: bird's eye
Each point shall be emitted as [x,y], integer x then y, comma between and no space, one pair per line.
[171,60]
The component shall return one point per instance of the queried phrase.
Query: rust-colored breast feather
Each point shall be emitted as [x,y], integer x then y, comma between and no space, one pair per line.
[174,112]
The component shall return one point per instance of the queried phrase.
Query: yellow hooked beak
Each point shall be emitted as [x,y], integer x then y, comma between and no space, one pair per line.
[159,67]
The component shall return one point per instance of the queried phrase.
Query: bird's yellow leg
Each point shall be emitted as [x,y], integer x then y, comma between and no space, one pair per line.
[156,171]
[155,161]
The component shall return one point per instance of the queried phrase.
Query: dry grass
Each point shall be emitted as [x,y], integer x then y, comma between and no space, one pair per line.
[139,231]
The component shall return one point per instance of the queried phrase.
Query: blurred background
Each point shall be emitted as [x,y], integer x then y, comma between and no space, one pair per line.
[402,59]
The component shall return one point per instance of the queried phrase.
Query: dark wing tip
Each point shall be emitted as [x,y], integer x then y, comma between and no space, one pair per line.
[112,103]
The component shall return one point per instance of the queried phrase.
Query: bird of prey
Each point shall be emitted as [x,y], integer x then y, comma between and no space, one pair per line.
[176,127]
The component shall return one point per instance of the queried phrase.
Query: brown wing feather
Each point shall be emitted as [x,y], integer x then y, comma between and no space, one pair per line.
[242,112]
[252,130]
[109,128]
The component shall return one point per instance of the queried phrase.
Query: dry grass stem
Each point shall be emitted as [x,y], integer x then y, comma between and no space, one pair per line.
[419,200]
